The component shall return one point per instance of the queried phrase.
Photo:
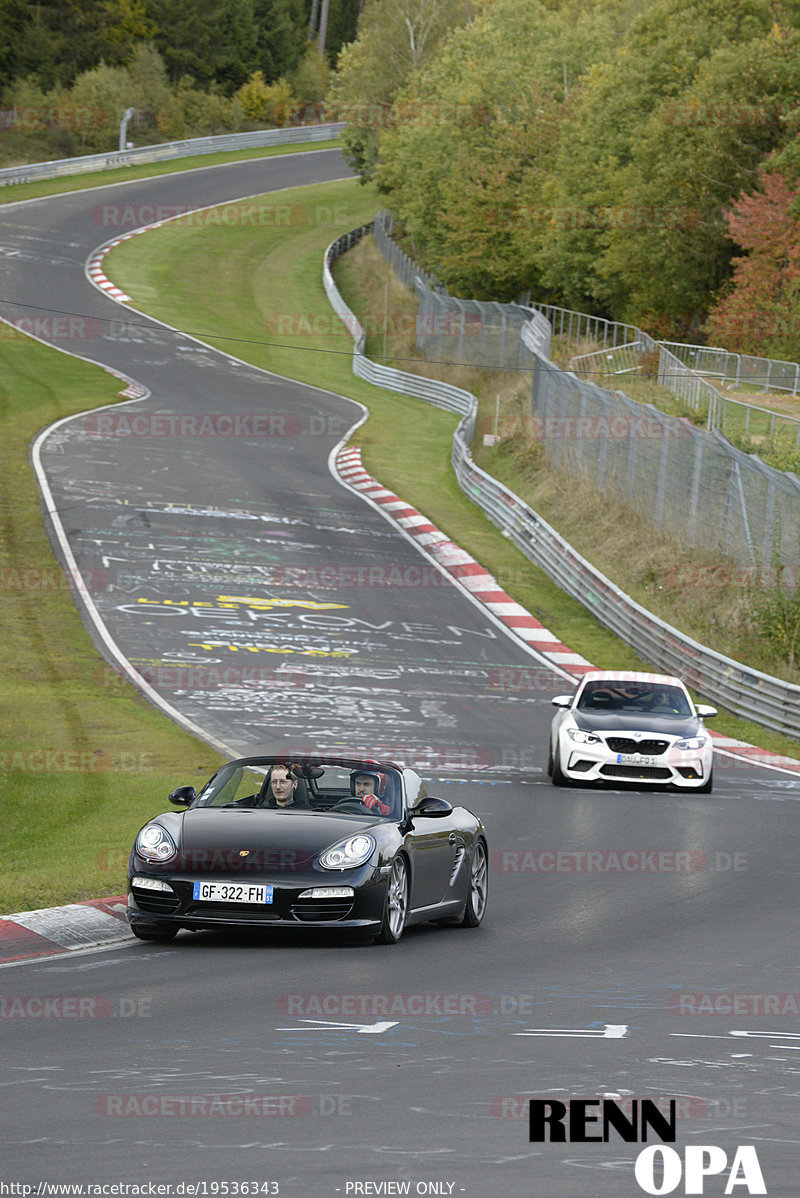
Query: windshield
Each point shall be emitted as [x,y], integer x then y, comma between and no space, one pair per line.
[366,788]
[653,698]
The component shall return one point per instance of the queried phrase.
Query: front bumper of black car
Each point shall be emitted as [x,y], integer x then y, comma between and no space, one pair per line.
[292,903]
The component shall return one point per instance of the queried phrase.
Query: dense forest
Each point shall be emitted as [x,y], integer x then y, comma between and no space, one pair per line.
[70,68]
[635,159]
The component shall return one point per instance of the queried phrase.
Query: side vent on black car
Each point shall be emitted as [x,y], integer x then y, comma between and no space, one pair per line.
[460,851]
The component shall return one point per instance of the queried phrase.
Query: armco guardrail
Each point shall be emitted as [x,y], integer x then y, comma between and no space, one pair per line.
[741,690]
[257,139]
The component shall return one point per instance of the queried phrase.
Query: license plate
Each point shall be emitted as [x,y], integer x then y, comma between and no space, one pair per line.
[635,759]
[231,892]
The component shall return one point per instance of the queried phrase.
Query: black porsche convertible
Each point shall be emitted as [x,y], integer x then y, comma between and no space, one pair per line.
[333,842]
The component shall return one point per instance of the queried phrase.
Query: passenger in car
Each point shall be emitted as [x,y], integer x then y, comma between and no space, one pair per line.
[281,788]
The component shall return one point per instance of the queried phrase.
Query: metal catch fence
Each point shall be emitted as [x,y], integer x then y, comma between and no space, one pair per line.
[692,483]
[770,374]
[743,691]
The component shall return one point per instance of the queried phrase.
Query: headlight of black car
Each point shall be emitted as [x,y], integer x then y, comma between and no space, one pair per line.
[155,844]
[348,854]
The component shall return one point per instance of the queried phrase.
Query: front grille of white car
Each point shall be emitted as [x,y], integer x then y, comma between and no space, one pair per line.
[655,773]
[627,744]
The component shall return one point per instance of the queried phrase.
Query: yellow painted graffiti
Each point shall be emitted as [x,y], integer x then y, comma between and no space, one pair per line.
[234,601]
[207,645]
[249,601]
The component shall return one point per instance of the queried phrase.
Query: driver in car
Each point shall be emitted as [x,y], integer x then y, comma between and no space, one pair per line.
[365,787]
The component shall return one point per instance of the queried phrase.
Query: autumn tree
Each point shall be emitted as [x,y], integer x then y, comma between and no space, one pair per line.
[759,310]
[465,167]
[394,40]
[618,189]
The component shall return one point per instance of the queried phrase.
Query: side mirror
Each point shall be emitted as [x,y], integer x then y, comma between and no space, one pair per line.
[182,796]
[562,700]
[431,806]
[704,711]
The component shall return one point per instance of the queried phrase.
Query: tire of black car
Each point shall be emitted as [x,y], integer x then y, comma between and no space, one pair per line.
[477,892]
[395,904]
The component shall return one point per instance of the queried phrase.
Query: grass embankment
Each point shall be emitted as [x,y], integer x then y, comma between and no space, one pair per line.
[84,761]
[124,174]
[166,273]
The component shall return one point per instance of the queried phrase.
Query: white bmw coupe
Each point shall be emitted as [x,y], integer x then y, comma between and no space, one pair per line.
[631,727]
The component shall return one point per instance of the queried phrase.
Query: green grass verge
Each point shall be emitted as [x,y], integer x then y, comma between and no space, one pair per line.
[80,182]
[84,760]
[290,329]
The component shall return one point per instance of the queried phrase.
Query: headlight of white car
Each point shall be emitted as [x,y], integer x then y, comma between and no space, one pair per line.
[154,843]
[583,738]
[348,853]
[691,742]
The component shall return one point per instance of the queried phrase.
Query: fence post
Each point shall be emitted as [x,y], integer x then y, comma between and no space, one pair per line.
[662,477]
[694,500]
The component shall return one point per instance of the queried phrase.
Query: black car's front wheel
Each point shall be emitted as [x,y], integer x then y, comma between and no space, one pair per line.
[478,887]
[395,905]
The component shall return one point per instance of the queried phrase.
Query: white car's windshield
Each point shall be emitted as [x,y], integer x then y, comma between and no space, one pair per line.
[653,698]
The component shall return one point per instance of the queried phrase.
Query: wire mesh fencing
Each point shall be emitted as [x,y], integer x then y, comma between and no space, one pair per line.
[689,482]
